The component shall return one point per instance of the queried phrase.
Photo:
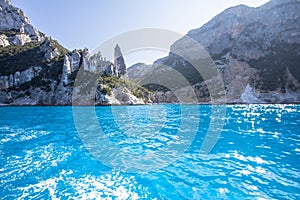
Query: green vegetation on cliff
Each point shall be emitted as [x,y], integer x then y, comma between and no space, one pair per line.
[107,83]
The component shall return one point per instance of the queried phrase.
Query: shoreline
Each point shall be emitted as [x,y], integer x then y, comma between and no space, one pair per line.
[153,104]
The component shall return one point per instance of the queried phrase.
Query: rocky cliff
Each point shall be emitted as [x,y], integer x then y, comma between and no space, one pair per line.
[256,50]
[119,61]
[15,26]
[37,70]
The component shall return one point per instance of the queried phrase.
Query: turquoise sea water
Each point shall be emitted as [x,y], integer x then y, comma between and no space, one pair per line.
[257,154]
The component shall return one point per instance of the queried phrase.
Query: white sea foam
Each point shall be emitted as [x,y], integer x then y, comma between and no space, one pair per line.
[110,186]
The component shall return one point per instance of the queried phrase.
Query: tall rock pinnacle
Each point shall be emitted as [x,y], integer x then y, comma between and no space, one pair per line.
[119,61]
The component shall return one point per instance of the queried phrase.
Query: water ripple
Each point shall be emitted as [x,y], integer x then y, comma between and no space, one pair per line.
[256,156]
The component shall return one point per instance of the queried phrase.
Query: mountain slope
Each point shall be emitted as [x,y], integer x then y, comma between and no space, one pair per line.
[256,50]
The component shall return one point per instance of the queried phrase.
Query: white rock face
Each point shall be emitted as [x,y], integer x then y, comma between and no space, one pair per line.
[236,76]
[96,62]
[249,95]
[85,59]
[47,47]
[71,63]
[11,80]
[4,40]
[66,70]
[122,96]
[14,18]
[21,39]
[18,78]
[67,65]
[55,52]
[75,60]
[27,75]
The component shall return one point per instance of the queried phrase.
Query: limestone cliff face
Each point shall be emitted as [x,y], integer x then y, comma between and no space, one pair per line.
[13,20]
[256,50]
[37,70]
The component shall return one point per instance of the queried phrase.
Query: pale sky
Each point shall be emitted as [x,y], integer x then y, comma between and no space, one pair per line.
[79,24]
